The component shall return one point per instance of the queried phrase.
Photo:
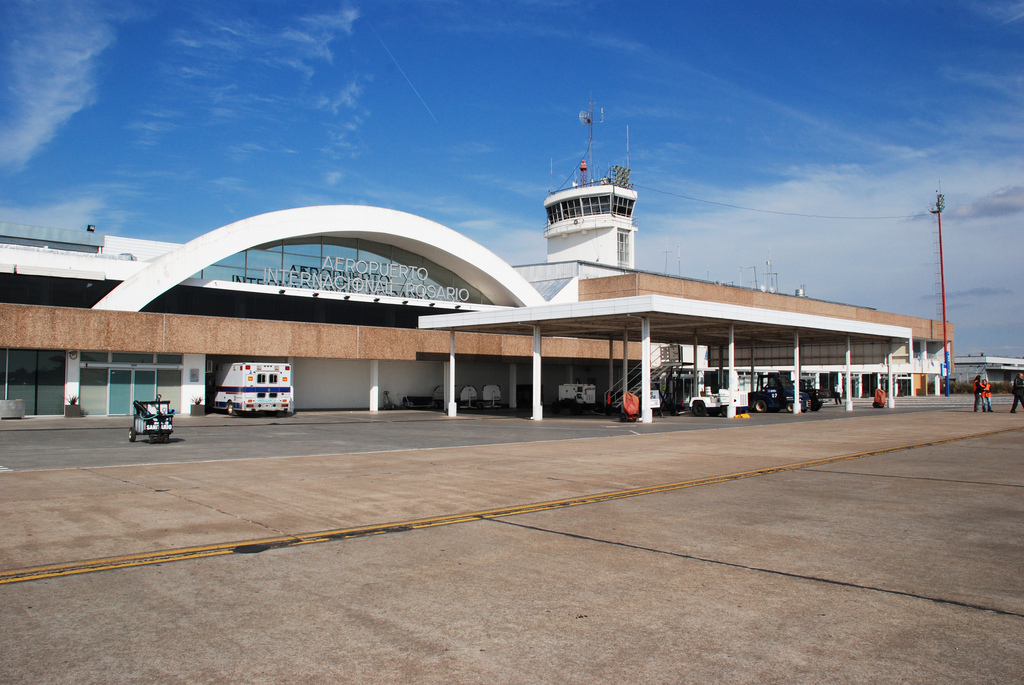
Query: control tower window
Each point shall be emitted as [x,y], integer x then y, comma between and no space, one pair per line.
[571,209]
[623,206]
[596,205]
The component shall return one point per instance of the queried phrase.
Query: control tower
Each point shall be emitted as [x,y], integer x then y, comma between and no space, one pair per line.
[593,220]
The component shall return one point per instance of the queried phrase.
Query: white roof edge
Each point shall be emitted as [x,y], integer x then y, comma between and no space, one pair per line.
[664,304]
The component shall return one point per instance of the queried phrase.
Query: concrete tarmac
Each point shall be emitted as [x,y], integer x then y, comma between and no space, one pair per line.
[894,555]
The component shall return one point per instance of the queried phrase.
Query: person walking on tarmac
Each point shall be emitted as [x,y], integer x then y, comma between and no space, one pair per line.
[977,392]
[986,395]
[1018,392]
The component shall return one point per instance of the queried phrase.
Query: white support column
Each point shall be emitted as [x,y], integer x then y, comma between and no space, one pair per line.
[848,380]
[796,372]
[453,401]
[753,374]
[512,404]
[696,367]
[938,384]
[625,360]
[890,401]
[911,359]
[611,364]
[291,374]
[647,414]
[374,386]
[730,411]
[445,372]
[193,380]
[538,407]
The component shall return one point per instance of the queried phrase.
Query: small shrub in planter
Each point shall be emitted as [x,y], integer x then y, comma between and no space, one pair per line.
[198,408]
[73,410]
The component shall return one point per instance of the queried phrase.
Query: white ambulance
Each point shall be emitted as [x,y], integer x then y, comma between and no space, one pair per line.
[253,386]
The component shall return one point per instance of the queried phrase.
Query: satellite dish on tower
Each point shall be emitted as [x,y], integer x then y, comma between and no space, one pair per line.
[587,118]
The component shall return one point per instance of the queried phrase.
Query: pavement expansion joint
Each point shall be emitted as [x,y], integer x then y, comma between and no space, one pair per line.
[769,571]
[919,478]
[184,499]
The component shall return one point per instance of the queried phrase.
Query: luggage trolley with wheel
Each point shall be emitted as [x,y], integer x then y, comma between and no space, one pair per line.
[153,418]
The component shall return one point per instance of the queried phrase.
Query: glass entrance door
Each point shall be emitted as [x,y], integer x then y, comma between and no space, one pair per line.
[144,386]
[119,396]
[127,385]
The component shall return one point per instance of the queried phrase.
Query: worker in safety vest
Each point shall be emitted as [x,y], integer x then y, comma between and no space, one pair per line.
[986,395]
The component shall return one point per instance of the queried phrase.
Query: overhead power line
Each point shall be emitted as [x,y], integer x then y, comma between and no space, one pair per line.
[772,211]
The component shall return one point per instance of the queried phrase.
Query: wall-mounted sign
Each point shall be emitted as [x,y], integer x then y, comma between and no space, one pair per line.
[364,277]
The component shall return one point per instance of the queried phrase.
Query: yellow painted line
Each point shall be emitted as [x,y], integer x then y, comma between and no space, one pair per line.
[199,552]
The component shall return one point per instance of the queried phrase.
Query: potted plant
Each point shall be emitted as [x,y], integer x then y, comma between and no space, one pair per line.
[73,410]
[198,407]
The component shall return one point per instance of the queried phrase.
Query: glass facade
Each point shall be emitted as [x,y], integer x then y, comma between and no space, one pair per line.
[35,377]
[110,381]
[93,390]
[349,265]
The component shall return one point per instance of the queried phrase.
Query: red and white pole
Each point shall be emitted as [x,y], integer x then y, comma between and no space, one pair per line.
[940,204]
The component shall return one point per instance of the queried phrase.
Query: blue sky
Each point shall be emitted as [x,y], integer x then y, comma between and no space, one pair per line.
[750,125]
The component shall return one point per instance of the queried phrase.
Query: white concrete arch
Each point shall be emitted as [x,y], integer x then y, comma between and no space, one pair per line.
[498,281]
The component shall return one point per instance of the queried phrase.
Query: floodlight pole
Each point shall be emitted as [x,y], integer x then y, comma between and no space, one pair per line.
[940,204]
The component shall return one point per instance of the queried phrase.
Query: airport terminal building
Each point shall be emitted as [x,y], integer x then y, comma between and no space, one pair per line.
[370,306]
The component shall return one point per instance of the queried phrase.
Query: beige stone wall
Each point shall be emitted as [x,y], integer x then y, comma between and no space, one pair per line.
[630,285]
[29,326]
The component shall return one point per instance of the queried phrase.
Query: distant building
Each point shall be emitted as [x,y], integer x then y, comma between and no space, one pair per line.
[993,369]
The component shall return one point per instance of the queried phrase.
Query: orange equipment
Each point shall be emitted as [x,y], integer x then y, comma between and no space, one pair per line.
[630,406]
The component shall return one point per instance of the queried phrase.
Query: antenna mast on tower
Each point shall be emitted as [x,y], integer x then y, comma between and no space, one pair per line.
[937,209]
[587,119]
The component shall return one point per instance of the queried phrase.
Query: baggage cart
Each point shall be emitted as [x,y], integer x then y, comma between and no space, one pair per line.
[154,418]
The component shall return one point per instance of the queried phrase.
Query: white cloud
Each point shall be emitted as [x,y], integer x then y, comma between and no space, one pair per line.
[1002,11]
[52,53]
[347,96]
[1003,202]
[889,264]
[71,214]
[307,40]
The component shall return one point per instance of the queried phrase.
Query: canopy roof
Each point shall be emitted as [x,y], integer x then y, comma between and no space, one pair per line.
[673,320]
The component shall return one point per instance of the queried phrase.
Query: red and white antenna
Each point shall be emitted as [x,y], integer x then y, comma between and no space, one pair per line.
[937,209]
[587,119]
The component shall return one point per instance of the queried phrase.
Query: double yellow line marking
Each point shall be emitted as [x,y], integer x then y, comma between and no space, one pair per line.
[259,545]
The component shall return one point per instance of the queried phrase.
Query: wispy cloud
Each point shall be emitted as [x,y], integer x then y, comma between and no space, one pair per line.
[315,33]
[296,47]
[53,49]
[978,292]
[262,70]
[1001,10]
[1003,202]
[347,97]
[71,214]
